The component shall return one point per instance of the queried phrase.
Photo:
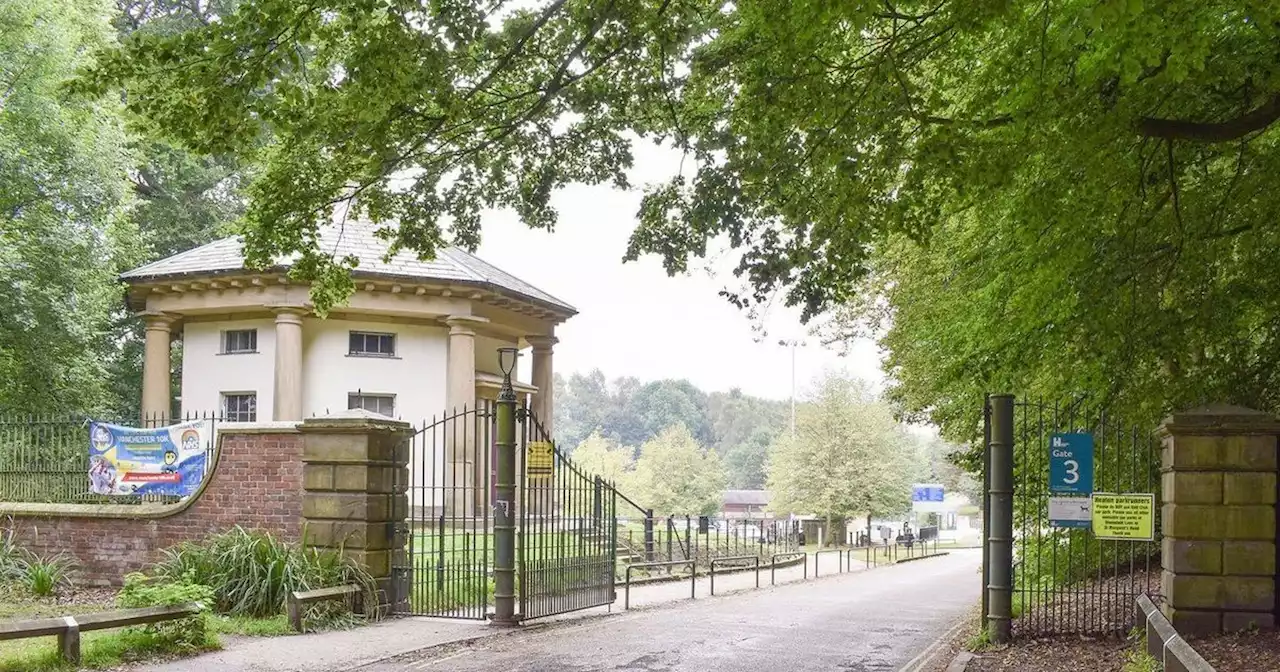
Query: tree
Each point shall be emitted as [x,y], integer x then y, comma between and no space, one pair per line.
[1049,198]
[664,403]
[743,427]
[598,456]
[582,401]
[676,476]
[181,199]
[739,427]
[849,457]
[64,230]
[816,128]
[938,465]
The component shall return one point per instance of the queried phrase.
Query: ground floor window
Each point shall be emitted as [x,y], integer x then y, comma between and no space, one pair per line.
[240,406]
[382,404]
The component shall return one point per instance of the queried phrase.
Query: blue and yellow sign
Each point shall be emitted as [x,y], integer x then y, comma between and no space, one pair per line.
[162,461]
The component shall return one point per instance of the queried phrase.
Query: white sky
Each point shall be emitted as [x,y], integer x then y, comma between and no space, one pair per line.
[634,320]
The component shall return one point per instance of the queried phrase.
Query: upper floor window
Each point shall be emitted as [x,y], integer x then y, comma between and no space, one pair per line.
[383,404]
[239,341]
[372,344]
[240,406]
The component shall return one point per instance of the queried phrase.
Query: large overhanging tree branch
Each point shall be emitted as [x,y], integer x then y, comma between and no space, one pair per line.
[1257,119]
[817,130]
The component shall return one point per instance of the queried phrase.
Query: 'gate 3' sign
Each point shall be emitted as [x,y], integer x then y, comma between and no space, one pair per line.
[1071,463]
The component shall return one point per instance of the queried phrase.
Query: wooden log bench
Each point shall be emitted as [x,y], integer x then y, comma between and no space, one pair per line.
[298,600]
[68,628]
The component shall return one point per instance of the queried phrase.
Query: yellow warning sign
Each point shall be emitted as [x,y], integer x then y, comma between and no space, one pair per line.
[540,458]
[1127,517]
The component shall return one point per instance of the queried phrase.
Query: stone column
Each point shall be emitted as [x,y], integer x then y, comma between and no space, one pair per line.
[1218,490]
[288,373]
[156,396]
[543,379]
[355,475]
[460,458]
[461,372]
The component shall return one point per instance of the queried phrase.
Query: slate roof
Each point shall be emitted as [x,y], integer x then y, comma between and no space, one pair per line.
[357,239]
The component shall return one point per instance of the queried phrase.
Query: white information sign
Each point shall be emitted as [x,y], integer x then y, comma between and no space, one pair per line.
[1070,511]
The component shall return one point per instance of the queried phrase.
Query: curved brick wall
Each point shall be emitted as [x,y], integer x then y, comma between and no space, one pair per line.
[256,483]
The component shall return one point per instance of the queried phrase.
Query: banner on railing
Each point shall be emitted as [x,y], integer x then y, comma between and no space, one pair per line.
[161,461]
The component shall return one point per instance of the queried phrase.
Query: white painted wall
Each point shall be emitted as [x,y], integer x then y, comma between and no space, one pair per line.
[416,375]
[206,373]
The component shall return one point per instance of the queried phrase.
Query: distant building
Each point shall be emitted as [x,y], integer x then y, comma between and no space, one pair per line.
[746,504]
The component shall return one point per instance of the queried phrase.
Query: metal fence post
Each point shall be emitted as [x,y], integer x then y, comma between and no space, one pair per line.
[648,536]
[986,503]
[1000,538]
[504,529]
[597,517]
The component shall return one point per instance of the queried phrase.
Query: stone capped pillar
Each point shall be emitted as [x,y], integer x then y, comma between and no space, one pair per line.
[460,373]
[543,379]
[1218,519]
[460,449]
[287,398]
[355,478]
[156,395]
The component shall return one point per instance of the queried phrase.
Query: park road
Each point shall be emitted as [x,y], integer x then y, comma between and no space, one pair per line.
[869,621]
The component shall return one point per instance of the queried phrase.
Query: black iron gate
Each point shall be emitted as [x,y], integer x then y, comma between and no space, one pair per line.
[1066,580]
[446,570]
[567,531]
[566,522]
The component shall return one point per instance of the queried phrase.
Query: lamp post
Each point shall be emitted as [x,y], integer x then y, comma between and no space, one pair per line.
[793,343]
[504,528]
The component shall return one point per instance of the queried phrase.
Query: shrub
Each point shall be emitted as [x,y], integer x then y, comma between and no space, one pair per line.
[9,553]
[43,575]
[252,573]
[187,633]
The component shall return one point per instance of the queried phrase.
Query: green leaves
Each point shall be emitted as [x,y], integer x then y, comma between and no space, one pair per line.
[64,231]
[848,456]
[676,476]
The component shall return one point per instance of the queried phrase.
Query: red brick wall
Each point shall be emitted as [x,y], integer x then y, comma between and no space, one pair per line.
[257,484]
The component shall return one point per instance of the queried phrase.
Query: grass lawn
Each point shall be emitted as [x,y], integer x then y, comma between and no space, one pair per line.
[110,648]
[274,626]
[99,650]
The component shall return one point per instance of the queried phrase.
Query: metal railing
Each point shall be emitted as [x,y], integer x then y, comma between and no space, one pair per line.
[773,565]
[736,558]
[683,537]
[45,458]
[693,577]
[845,558]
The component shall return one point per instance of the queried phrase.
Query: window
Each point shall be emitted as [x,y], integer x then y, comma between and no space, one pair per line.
[239,341]
[383,404]
[240,406]
[369,344]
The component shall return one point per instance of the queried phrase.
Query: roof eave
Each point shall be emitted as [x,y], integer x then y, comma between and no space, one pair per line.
[563,311]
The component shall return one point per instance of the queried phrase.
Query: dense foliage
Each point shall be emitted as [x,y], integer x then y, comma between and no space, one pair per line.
[64,230]
[849,457]
[251,573]
[739,427]
[674,475]
[87,191]
[1046,197]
